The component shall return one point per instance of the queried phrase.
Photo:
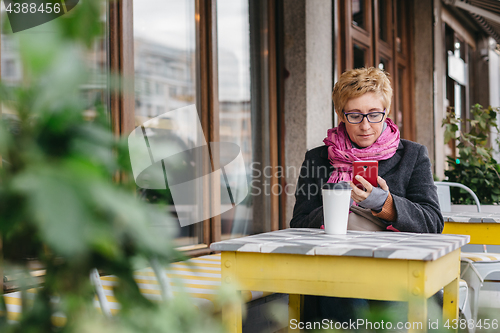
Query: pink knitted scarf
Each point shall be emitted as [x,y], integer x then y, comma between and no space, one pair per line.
[341,153]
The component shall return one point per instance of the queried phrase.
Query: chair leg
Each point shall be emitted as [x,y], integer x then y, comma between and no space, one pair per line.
[163,280]
[101,296]
[465,308]
[474,283]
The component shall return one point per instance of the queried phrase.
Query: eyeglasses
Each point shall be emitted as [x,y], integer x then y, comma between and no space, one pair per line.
[372,117]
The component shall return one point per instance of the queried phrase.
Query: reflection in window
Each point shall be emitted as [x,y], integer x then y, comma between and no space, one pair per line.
[12,75]
[164,62]
[12,72]
[159,89]
[172,91]
[94,91]
[9,68]
[358,13]
[234,104]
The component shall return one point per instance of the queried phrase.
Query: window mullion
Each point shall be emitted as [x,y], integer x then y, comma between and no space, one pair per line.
[208,104]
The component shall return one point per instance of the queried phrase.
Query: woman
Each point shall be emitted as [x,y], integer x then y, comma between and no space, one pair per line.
[407,198]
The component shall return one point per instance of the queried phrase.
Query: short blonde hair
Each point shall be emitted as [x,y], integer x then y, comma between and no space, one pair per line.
[357,82]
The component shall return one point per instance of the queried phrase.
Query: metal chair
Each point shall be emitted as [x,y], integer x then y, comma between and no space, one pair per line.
[476,266]
[444,196]
[464,303]
[161,277]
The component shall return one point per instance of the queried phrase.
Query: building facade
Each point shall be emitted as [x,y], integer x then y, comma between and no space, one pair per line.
[261,73]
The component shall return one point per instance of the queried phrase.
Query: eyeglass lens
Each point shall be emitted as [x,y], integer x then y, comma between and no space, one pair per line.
[374,117]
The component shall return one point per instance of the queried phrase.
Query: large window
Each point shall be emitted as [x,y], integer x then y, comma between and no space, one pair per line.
[216,57]
[377,33]
[213,55]
[235,113]
[164,81]
[95,90]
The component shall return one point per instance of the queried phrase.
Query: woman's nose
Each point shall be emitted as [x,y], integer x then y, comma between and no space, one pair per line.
[364,124]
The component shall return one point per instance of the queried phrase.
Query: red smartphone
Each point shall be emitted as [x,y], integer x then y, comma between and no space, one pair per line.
[366,169]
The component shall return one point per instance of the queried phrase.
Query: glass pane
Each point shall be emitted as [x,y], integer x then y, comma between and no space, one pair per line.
[458,101]
[383,64]
[358,13]
[359,56]
[400,25]
[235,112]
[382,20]
[164,61]
[460,48]
[94,91]
[12,75]
[400,102]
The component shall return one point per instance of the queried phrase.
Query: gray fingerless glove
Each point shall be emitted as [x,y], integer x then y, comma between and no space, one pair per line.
[375,200]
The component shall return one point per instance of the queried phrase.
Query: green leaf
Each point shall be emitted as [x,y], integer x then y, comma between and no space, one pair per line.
[448,136]
[56,209]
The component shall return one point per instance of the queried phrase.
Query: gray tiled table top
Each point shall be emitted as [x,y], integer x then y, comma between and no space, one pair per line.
[391,245]
[471,217]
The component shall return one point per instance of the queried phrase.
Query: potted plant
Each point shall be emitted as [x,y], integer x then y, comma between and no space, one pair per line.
[474,166]
[59,202]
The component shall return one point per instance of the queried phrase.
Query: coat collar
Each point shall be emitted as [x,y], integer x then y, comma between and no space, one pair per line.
[386,165]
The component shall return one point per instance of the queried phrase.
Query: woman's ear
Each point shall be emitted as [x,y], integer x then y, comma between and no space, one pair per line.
[387,111]
[340,116]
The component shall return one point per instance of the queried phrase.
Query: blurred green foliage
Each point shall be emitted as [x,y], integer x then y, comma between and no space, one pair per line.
[474,166]
[59,203]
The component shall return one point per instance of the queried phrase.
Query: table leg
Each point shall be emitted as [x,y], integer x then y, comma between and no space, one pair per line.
[417,302]
[450,301]
[231,312]
[231,316]
[295,304]
[417,314]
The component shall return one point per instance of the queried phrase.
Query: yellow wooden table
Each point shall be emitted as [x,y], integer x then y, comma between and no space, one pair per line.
[383,266]
[483,228]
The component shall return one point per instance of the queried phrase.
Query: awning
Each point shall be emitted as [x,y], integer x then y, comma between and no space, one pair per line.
[485,12]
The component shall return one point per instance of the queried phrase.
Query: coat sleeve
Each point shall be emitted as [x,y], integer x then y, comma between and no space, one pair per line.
[308,209]
[419,210]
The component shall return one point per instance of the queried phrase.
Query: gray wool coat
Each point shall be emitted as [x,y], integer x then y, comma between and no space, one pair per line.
[408,175]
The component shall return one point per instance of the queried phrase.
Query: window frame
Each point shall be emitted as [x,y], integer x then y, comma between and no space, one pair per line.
[403,60]
[122,103]
[377,49]
[355,35]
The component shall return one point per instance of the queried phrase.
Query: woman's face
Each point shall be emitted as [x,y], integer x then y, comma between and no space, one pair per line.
[365,133]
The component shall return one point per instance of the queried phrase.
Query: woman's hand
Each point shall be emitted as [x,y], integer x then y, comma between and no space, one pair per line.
[359,195]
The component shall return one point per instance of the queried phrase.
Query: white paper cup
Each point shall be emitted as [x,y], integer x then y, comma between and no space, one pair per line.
[336,203]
